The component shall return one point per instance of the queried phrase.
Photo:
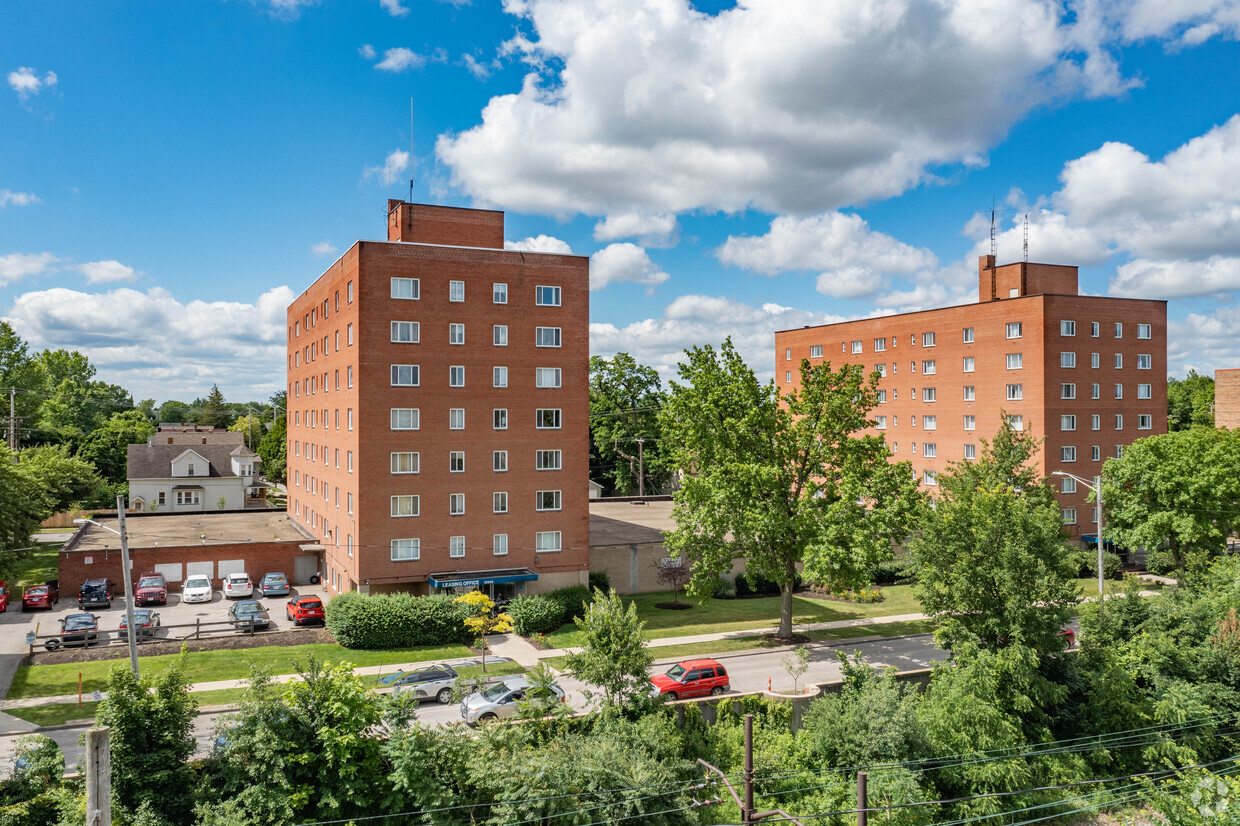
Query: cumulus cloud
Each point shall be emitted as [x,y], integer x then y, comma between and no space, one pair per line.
[400,59]
[1143,278]
[8,197]
[1204,342]
[658,230]
[477,68]
[394,164]
[540,243]
[102,272]
[624,262]
[157,346]
[27,83]
[18,265]
[394,8]
[367,51]
[322,248]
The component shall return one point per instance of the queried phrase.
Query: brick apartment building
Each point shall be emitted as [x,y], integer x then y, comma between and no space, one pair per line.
[1087,373]
[1227,398]
[438,401]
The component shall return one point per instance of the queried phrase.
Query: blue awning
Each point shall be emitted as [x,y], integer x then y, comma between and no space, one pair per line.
[473,579]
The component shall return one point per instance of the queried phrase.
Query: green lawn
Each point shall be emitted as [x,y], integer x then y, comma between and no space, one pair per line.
[40,566]
[208,666]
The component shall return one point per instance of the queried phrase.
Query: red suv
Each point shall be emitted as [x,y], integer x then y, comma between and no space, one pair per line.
[152,588]
[304,609]
[692,678]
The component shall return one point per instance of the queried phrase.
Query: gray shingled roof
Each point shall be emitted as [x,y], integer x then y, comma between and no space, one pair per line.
[155,461]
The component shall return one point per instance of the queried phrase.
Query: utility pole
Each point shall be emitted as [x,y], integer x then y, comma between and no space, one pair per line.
[749,815]
[129,594]
[13,437]
[640,459]
[98,777]
[1101,541]
[863,800]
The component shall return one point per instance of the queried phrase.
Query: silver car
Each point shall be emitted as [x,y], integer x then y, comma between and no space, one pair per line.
[430,682]
[499,700]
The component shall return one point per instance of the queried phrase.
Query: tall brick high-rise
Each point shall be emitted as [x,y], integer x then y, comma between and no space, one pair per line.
[438,403]
[1087,373]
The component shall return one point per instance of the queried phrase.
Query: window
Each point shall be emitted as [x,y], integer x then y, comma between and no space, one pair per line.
[1067,422]
[405,418]
[1145,391]
[1016,422]
[1067,453]
[1095,422]
[968,364]
[547,500]
[499,376]
[1094,329]
[970,451]
[815,351]
[1119,391]
[405,462]
[407,288]
[1067,391]
[1095,391]
[499,501]
[927,368]
[1015,392]
[297,329]
[927,339]
[927,394]
[787,377]
[1012,329]
[1119,421]
[456,290]
[1067,328]
[1069,516]
[930,450]
[547,296]
[456,418]
[1119,451]
[1015,361]
[912,421]
[188,497]
[547,541]
[499,293]
[349,503]
[547,418]
[546,336]
[348,293]
[968,335]
[881,369]
[404,332]
[499,418]
[406,549]
[456,375]
[348,335]
[404,506]
[499,461]
[547,377]
[1144,421]
[787,354]
[880,345]
[1144,331]
[456,504]
[1095,453]
[499,335]
[499,544]
[856,347]
[969,393]
[1067,485]
[882,396]
[970,423]
[913,450]
[404,375]
[880,422]
[1119,329]
[456,461]
[456,547]
[1119,361]
[929,422]
[1067,359]
[547,460]
[1094,361]
[1144,361]
[456,333]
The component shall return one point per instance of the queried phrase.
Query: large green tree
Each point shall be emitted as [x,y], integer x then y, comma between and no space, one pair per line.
[18,372]
[781,480]
[1181,488]
[107,447]
[613,656]
[75,404]
[625,399]
[213,410]
[992,568]
[1190,401]
[251,427]
[274,451]
[62,482]
[21,509]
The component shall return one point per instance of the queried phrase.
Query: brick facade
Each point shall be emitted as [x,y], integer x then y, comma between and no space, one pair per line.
[1227,398]
[254,558]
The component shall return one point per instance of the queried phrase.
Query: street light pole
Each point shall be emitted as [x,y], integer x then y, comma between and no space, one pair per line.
[126,576]
[1096,487]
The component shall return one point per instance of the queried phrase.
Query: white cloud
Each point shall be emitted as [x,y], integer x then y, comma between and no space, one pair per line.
[400,59]
[394,8]
[288,9]
[1143,278]
[478,69]
[100,272]
[624,262]
[17,198]
[322,248]
[1204,342]
[541,243]
[367,51]
[26,82]
[18,265]
[156,346]
[394,164]
[657,230]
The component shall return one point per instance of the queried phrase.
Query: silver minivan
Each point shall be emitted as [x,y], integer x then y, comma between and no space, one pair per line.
[499,700]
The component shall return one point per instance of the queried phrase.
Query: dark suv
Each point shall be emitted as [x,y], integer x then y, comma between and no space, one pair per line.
[95,593]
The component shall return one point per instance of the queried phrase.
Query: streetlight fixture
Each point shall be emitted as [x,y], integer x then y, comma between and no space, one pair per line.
[1096,487]
[133,631]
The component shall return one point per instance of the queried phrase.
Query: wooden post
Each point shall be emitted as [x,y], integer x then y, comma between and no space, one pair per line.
[198,628]
[747,815]
[79,688]
[98,777]
[862,800]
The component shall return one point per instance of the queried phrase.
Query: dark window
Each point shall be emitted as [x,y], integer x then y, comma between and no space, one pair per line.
[708,673]
[721,672]
[695,674]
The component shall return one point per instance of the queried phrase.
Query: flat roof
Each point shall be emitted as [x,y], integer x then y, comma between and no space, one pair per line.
[627,523]
[178,529]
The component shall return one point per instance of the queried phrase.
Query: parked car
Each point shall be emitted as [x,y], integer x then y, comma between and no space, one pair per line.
[274,585]
[302,610]
[498,700]
[1069,637]
[197,588]
[237,586]
[152,590]
[432,681]
[249,613]
[40,596]
[96,593]
[691,678]
[145,621]
[75,629]
[4,596]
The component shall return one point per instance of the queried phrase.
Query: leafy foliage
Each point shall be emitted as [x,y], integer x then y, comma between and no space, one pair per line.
[384,621]
[574,599]
[614,657]
[536,614]
[1190,401]
[625,399]
[274,451]
[481,621]
[107,447]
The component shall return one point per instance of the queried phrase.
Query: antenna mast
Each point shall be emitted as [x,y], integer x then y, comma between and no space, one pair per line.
[411,150]
[992,233]
[1026,237]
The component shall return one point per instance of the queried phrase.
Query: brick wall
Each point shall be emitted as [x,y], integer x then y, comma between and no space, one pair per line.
[257,559]
[1227,398]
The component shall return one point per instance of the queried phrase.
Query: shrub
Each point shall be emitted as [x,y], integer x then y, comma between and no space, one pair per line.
[600,580]
[437,619]
[895,571]
[574,599]
[384,621]
[536,614]
[1112,566]
[1160,563]
[726,588]
[748,585]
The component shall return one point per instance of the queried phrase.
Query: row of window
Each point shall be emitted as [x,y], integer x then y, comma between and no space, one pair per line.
[1067,422]
[410,332]
[1015,361]
[410,418]
[410,289]
[410,505]
[411,461]
[312,317]
[405,550]
[409,375]
[1016,392]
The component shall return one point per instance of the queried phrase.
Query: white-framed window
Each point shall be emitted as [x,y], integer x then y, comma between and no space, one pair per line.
[404,375]
[912,420]
[545,296]
[1145,391]
[188,497]
[348,335]
[1095,422]
[1012,329]
[1095,391]
[499,335]
[405,418]
[968,335]
[456,418]
[547,418]
[1119,391]
[929,422]
[348,373]
[1067,359]
[405,462]
[881,369]
[970,393]
[406,549]
[1095,329]
[1095,453]
[1067,485]
[930,450]
[1144,361]
[499,293]
[1067,421]
[930,477]
[928,394]
[880,422]
[456,290]
[456,333]
[1016,422]
[405,332]
[546,541]
[348,298]
[456,375]
[406,288]
[787,377]
[1015,392]
[456,504]
[815,351]
[970,451]
[927,339]
[913,450]
[927,368]
[1015,361]
[405,505]
[1119,329]
[1069,516]
[1067,328]
[499,376]
[548,459]
[1067,390]
[546,336]
[499,501]
[456,461]
[1119,421]
[348,417]
[1067,453]
[787,354]
[547,500]
[499,461]
[968,364]
[456,547]
[499,544]
[1119,451]
[880,345]
[882,396]
[856,347]
[970,423]
[1145,331]
[1145,421]
[348,503]
[547,377]
[499,418]
[1119,361]
[1095,361]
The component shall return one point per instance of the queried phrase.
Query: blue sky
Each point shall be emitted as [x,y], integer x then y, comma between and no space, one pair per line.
[172,174]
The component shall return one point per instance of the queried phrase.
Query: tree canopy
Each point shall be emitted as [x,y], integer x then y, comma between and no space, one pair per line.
[1190,401]
[625,399]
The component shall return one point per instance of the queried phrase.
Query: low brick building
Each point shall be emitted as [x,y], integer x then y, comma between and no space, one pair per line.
[181,544]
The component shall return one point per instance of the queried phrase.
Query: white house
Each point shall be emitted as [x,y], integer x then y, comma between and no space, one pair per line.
[194,477]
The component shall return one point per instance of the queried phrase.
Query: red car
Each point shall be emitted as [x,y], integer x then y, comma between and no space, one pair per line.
[692,678]
[40,596]
[302,610]
[152,588]
[4,596]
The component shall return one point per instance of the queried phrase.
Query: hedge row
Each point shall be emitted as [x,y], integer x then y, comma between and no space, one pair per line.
[384,621]
[544,613]
[1085,563]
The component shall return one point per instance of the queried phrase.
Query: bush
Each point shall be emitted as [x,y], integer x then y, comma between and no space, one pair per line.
[573,599]
[1160,563]
[1083,563]
[759,586]
[536,614]
[385,621]
[600,580]
[895,571]
[437,619]
[726,589]
[1112,566]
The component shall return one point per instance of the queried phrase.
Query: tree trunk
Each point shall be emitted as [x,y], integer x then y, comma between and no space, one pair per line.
[785,602]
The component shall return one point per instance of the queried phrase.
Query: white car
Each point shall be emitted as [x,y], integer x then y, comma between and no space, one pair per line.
[238,586]
[197,589]
[500,699]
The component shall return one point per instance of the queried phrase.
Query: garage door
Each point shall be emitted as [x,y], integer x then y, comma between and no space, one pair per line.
[304,567]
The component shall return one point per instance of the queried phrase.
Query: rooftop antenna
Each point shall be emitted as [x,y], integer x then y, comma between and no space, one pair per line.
[411,150]
[1026,237]
[992,234]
